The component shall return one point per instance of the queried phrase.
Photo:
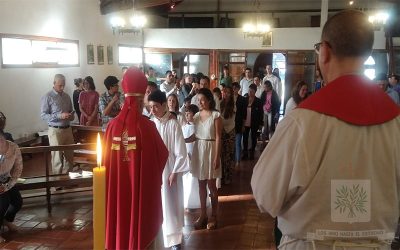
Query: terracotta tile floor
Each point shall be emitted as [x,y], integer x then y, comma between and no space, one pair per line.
[69,226]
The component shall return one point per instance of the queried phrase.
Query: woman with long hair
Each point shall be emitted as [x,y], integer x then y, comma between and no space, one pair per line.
[173,107]
[299,94]
[206,163]
[89,103]
[228,112]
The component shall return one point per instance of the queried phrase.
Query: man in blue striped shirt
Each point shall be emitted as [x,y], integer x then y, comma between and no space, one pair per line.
[56,109]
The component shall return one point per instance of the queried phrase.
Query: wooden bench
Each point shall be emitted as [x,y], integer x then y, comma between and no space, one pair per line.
[49,180]
[29,141]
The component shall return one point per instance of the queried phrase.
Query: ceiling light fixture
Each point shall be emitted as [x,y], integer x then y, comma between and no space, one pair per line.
[137,22]
[379,19]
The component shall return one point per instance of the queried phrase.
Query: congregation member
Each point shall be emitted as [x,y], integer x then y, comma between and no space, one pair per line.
[319,82]
[78,82]
[204,82]
[151,75]
[173,107]
[260,86]
[3,121]
[252,123]
[206,158]
[275,81]
[186,104]
[170,85]
[394,81]
[89,103]
[10,171]
[177,164]
[225,79]
[123,70]
[245,82]
[240,117]
[134,157]
[383,83]
[349,160]
[111,101]
[228,113]
[271,104]
[56,108]
[151,87]
[217,98]
[299,94]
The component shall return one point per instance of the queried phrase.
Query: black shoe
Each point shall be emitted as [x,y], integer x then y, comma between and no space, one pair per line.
[176,247]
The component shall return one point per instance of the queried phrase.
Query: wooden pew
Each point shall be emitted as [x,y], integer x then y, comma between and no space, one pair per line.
[53,180]
[85,134]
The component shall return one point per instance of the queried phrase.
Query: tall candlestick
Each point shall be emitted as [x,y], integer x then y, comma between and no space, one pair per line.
[99,201]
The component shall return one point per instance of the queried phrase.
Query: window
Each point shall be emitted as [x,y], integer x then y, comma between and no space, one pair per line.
[28,51]
[369,68]
[129,55]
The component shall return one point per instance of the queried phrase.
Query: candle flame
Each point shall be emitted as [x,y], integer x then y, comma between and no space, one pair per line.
[98,150]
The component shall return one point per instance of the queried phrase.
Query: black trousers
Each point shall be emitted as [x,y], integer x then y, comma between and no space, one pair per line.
[10,204]
[253,131]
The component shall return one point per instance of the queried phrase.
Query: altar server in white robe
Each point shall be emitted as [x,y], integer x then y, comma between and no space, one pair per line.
[177,164]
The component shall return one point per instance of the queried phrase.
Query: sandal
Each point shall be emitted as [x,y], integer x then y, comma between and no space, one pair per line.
[212,223]
[201,223]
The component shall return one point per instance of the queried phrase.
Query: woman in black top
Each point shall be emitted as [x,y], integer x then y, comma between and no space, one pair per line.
[75,96]
[253,121]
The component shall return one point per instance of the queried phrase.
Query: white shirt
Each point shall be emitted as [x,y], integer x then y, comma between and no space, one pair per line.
[290,105]
[244,86]
[168,88]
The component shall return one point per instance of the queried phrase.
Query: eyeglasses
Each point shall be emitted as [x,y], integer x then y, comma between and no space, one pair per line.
[317,46]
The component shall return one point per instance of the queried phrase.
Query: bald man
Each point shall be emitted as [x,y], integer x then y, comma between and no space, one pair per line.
[331,171]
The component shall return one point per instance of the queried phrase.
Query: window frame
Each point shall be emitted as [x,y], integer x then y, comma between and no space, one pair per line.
[38,64]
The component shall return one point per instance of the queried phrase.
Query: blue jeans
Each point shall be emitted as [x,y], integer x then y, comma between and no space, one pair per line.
[238,146]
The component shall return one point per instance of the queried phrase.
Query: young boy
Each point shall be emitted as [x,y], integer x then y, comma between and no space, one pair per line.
[190,184]
[177,163]
[185,105]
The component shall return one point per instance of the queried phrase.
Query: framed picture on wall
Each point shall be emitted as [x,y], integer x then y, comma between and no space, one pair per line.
[110,58]
[90,54]
[100,54]
[267,40]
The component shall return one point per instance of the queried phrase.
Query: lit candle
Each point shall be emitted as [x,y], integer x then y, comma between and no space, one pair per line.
[99,201]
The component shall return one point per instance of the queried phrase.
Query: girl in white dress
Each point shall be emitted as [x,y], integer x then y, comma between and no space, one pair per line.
[206,158]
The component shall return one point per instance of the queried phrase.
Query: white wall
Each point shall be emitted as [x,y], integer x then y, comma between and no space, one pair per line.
[233,39]
[22,88]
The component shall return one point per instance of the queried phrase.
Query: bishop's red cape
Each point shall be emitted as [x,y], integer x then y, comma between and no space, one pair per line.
[353,99]
[135,156]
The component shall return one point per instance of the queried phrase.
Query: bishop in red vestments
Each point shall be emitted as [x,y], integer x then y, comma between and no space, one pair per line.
[135,156]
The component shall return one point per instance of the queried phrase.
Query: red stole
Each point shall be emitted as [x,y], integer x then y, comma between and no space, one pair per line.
[134,167]
[353,99]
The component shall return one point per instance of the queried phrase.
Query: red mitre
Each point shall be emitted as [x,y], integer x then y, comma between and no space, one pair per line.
[134,82]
